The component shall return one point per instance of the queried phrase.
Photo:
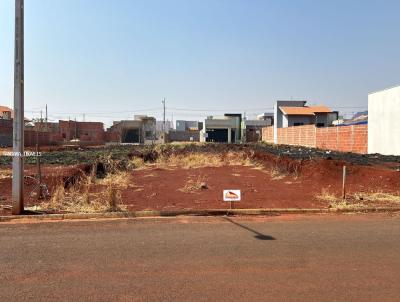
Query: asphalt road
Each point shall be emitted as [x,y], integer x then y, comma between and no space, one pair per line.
[312,258]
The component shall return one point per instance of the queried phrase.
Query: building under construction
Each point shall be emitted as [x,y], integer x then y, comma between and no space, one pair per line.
[140,130]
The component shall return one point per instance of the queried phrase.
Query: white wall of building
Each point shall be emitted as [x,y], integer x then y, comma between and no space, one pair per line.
[384,122]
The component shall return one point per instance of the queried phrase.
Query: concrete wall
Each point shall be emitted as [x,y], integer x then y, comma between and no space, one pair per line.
[182,125]
[384,122]
[183,136]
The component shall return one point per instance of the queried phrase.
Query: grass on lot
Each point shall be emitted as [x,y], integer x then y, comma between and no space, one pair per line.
[193,186]
[195,160]
[6,173]
[378,197]
[357,200]
[79,198]
[120,180]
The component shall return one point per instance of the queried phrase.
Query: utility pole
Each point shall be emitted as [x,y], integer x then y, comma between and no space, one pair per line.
[46,120]
[163,114]
[75,130]
[18,122]
[38,165]
[164,130]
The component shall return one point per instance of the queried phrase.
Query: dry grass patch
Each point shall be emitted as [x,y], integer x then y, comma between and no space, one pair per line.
[4,174]
[237,159]
[195,160]
[120,180]
[334,201]
[357,200]
[79,199]
[274,172]
[378,197]
[189,161]
[277,174]
[325,195]
[138,163]
[194,185]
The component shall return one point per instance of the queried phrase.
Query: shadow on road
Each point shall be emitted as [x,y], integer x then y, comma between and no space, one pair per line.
[258,235]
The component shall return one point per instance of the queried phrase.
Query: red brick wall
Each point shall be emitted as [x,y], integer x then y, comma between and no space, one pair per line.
[85,131]
[344,138]
[298,136]
[6,126]
[30,138]
[268,134]
[112,136]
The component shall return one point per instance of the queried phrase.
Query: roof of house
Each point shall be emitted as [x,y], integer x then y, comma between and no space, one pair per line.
[306,110]
[5,109]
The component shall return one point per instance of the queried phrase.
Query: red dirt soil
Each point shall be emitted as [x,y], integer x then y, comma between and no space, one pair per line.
[160,189]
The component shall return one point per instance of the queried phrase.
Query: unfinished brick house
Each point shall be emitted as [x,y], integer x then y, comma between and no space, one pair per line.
[92,132]
[140,130]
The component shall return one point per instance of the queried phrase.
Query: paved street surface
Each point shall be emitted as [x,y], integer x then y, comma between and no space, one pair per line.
[288,258]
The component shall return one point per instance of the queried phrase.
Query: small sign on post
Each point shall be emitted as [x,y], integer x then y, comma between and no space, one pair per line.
[232,196]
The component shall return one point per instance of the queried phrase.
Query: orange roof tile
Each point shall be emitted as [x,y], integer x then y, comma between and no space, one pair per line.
[5,109]
[320,109]
[306,110]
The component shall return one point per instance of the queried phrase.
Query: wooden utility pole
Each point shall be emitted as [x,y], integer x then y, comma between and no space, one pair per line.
[18,122]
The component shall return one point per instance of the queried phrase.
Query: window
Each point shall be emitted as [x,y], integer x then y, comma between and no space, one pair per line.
[320,124]
[298,124]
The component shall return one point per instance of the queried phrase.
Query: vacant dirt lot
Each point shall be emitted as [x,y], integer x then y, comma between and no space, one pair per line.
[193,178]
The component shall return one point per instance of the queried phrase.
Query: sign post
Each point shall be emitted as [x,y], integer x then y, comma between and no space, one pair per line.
[232,196]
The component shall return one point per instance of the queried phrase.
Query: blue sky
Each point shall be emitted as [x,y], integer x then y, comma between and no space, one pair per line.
[110,59]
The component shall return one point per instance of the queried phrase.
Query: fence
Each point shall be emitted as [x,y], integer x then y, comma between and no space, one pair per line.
[352,138]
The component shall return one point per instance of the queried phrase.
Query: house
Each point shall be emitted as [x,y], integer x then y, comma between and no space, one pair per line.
[182,125]
[186,131]
[160,126]
[6,113]
[88,132]
[296,113]
[384,121]
[222,129]
[266,116]
[140,130]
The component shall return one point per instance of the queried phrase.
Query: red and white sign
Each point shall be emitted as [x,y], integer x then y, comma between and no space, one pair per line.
[232,195]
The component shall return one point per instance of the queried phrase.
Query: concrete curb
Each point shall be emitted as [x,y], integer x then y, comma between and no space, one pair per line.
[210,212]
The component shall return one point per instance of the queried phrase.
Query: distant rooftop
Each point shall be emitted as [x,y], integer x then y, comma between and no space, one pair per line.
[306,110]
[6,109]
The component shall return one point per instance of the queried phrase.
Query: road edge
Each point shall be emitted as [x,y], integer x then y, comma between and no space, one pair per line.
[207,212]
